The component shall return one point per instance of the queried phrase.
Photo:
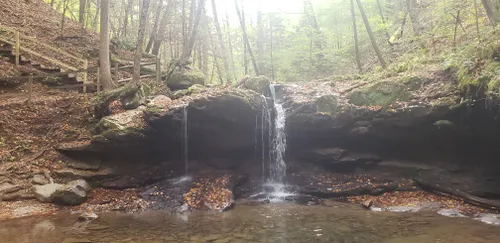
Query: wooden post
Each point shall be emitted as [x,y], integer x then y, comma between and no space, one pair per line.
[158,69]
[116,72]
[85,66]
[17,47]
[98,80]
[30,88]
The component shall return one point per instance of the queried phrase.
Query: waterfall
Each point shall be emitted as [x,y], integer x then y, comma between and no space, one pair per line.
[265,123]
[184,138]
[278,166]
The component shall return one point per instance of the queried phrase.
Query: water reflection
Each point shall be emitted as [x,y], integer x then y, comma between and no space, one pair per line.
[264,223]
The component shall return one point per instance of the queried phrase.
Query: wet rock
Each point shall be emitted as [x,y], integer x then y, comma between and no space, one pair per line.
[43,193]
[430,206]
[488,218]
[39,180]
[73,193]
[451,213]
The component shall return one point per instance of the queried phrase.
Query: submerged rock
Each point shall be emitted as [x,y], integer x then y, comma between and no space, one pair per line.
[87,216]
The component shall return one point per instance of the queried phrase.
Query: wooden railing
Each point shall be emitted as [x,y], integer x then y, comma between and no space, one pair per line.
[22,42]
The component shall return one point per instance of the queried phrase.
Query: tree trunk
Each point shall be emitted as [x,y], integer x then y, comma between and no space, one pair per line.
[355,32]
[230,45]
[104,60]
[414,12]
[52,3]
[225,56]
[492,12]
[81,13]
[260,43]
[96,16]
[476,15]
[126,17]
[65,7]
[370,34]
[380,11]
[245,38]
[187,49]
[140,40]
[154,31]
[214,54]
[162,30]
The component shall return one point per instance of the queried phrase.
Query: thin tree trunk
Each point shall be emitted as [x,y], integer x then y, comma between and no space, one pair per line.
[162,30]
[457,20]
[380,11]
[96,16]
[491,11]
[225,56]
[183,22]
[192,12]
[187,49]
[370,34]
[52,3]
[65,7]
[476,13]
[260,43]
[104,60]
[214,53]
[154,31]
[126,17]
[245,38]
[355,32]
[271,44]
[414,16]
[143,19]
[81,14]
[228,31]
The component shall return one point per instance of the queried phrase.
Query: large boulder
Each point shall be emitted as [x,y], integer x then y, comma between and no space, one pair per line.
[73,193]
[183,79]
[146,132]
[258,84]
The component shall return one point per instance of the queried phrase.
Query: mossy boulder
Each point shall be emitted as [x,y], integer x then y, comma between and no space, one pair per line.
[131,96]
[183,79]
[194,89]
[381,93]
[258,84]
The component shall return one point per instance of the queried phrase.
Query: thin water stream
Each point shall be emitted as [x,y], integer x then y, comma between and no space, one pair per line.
[270,223]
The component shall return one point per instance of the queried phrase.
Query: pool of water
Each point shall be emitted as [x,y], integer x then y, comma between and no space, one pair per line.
[277,222]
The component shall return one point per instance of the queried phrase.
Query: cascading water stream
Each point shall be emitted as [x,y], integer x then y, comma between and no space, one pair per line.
[184,138]
[277,166]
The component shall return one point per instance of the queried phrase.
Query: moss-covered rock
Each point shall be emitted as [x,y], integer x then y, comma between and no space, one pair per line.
[183,79]
[258,84]
[382,93]
[131,96]
[194,89]
[139,98]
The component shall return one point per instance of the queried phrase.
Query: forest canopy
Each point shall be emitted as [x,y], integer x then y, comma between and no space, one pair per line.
[296,40]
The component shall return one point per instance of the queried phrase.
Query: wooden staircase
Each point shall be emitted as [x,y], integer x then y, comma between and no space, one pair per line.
[20,50]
